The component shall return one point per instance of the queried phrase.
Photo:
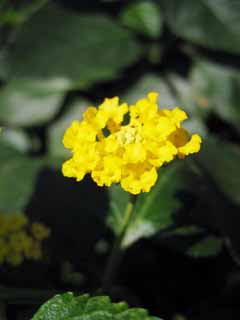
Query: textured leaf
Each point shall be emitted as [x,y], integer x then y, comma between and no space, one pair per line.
[23,104]
[210,23]
[56,130]
[70,50]
[221,160]
[69,307]
[143,17]
[154,210]
[17,178]
[209,246]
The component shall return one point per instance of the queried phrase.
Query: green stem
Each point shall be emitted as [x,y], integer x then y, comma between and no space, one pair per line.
[117,252]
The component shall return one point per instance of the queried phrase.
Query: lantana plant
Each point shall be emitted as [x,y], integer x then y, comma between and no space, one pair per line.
[127,145]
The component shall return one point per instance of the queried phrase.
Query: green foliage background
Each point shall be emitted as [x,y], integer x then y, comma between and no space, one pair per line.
[56,58]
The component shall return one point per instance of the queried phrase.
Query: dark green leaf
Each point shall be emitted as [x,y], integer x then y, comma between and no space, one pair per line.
[209,246]
[184,231]
[221,161]
[143,17]
[210,23]
[70,50]
[69,307]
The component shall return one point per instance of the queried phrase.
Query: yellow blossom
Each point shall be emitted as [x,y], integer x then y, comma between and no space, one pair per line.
[113,151]
[39,231]
[19,239]
[16,221]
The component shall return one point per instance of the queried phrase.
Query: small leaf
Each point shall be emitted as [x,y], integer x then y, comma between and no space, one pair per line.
[69,307]
[154,210]
[209,246]
[143,17]
[24,105]
[72,49]
[184,231]
[210,23]
[17,178]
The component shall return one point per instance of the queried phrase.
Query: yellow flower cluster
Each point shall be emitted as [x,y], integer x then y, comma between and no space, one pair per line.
[117,143]
[19,239]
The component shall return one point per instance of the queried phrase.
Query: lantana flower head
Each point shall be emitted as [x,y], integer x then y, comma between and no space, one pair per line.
[117,143]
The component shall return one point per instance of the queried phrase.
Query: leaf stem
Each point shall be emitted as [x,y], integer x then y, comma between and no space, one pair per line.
[116,254]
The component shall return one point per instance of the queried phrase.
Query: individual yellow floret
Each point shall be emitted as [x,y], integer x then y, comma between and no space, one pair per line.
[113,150]
[39,231]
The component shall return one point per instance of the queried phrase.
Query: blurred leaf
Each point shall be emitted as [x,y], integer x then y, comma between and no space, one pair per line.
[218,87]
[209,246]
[143,17]
[188,97]
[75,50]
[221,161]
[68,307]
[154,210]
[23,104]
[17,138]
[17,178]
[184,231]
[148,83]
[210,23]
[14,16]
[56,131]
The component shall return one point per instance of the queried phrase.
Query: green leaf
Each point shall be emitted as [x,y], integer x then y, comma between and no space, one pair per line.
[57,129]
[210,23]
[69,307]
[73,50]
[221,161]
[184,231]
[25,104]
[219,87]
[143,17]
[13,16]
[209,246]
[154,210]
[17,138]
[17,178]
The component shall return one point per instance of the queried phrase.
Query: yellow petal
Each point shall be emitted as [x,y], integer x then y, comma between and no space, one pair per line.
[192,146]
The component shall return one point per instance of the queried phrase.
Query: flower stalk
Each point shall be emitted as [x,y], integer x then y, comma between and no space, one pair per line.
[116,254]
